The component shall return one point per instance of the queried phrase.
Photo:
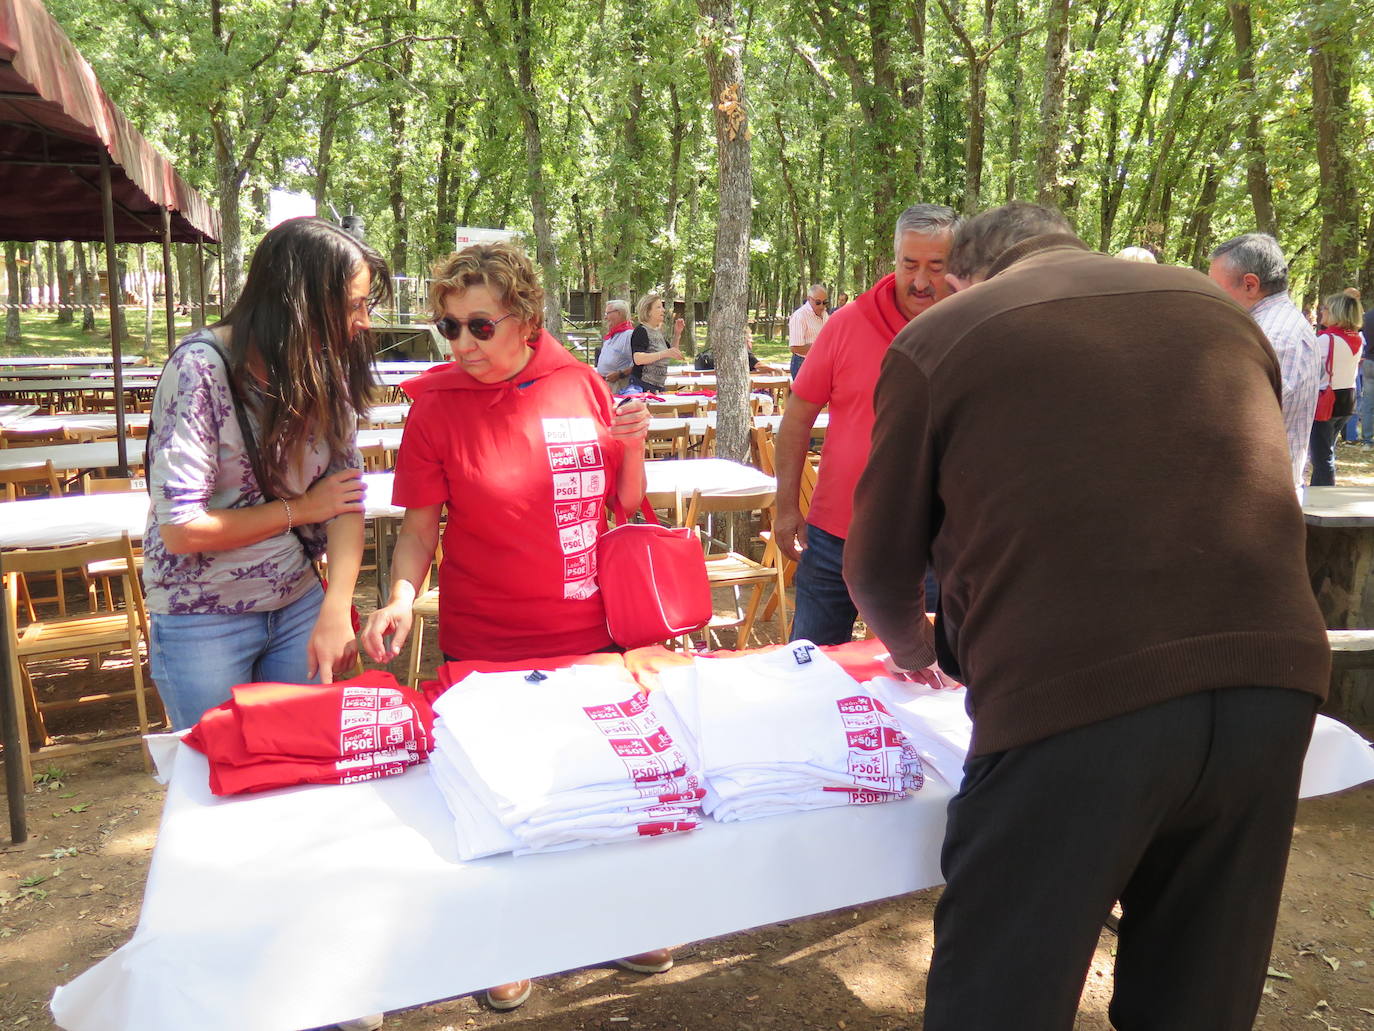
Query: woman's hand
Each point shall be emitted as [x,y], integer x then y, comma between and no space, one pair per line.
[333,647]
[394,620]
[678,326]
[336,494]
[631,421]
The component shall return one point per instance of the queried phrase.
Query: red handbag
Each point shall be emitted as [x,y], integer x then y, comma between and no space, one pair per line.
[653,580]
[1326,397]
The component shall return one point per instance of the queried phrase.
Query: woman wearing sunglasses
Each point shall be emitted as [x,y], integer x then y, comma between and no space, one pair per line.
[520,441]
[236,520]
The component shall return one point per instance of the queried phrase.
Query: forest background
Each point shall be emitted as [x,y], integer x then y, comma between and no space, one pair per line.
[692,145]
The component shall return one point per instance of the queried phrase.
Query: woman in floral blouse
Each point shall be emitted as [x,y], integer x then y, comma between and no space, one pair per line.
[232,595]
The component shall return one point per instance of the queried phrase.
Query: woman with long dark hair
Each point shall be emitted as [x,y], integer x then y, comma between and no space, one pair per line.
[1339,344]
[253,472]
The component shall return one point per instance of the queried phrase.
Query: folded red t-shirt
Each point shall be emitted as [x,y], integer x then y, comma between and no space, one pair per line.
[368,713]
[234,769]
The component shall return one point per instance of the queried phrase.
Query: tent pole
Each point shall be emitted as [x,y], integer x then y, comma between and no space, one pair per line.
[222,298]
[12,720]
[167,278]
[107,207]
[200,275]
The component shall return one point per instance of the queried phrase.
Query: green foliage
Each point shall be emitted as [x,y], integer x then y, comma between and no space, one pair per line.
[856,111]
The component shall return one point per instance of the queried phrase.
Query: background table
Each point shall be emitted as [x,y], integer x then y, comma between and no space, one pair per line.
[78,518]
[67,359]
[1340,562]
[667,478]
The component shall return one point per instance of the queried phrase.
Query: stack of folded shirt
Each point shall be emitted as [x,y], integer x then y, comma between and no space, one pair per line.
[539,761]
[789,730]
[275,735]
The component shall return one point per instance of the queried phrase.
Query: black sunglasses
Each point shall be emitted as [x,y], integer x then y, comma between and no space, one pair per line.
[479,326]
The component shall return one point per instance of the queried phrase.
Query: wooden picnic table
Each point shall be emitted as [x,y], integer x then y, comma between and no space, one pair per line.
[1340,562]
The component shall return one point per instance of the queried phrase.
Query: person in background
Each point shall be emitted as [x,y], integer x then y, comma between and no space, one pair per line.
[650,349]
[1366,399]
[841,372]
[615,361]
[1252,270]
[1340,346]
[521,444]
[804,325]
[1140,254]
[1137,735]
[841,299]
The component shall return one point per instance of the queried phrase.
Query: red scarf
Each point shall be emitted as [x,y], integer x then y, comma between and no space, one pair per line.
[627,324]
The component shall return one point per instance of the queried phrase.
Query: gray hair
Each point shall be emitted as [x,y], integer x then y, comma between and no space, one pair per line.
[621,306]
[926,220]
[1259,255]
[811,290]
[984,238]
[1140,254]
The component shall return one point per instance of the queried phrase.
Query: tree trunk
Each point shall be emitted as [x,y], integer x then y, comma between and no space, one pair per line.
[1256,167]
[1052,104]
[734,188]
[230,180]
[677,136]
[1335,193]
[330,103]
[689,292]
[1013,30]
[146,277]
[528,104]
[85,287]
[14,334]
[1077,119]
[914,90]
[66,301]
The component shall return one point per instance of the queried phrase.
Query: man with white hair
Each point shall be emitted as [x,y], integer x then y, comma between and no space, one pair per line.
[1252,269]
[615,361]
[841,372]
[805,324]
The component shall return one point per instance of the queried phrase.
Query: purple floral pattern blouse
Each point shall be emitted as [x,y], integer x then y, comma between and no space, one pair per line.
[198,463]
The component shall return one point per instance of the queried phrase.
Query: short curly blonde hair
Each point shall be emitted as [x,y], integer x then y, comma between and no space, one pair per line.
[503,268]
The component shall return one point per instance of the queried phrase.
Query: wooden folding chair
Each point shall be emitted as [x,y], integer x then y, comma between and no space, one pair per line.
[105,572]
[66,637]
[734,570]
[31,481]
[666,442]
[425,606]
[12,438]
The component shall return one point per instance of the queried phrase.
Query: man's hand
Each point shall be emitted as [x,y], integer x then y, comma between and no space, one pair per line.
[789,530]
[932,676]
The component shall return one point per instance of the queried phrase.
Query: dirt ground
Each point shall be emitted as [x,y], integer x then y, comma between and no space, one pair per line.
[71,896]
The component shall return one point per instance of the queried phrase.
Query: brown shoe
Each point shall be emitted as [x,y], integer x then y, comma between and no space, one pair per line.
[653,962]
[509,996]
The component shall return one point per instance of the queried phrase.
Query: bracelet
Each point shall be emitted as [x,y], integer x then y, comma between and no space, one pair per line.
[290,523]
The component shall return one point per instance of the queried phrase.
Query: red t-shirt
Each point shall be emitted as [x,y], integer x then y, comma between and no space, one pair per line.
[841,370]
[525,467]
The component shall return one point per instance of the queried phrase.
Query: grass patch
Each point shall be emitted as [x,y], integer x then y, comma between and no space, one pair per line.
[41,335]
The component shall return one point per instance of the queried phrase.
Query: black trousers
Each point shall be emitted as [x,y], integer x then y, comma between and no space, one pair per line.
[1183,811]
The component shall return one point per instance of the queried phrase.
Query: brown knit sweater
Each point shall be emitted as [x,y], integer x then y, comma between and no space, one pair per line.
[1092,454]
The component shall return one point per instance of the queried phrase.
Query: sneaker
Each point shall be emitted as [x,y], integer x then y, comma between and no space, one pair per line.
[509,996]
[654,962]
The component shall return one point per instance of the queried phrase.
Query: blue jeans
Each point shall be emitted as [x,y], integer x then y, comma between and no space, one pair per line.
[824,612]
[1365,405]
[197,657]
[1322,449]
[797,360]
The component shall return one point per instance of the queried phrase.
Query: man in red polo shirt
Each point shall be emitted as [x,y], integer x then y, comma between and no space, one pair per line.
[841,371]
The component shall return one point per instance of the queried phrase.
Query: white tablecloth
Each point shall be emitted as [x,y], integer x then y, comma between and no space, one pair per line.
[77,519]
[667,477]
[95,454]
[100,422]
[310,905]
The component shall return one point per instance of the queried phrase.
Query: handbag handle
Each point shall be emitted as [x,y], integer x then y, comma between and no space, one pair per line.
[647,509]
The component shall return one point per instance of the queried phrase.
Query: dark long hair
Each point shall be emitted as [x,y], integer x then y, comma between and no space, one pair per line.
[293,315]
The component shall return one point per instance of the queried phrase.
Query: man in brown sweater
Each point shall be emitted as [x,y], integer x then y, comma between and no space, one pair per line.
[1124,591]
